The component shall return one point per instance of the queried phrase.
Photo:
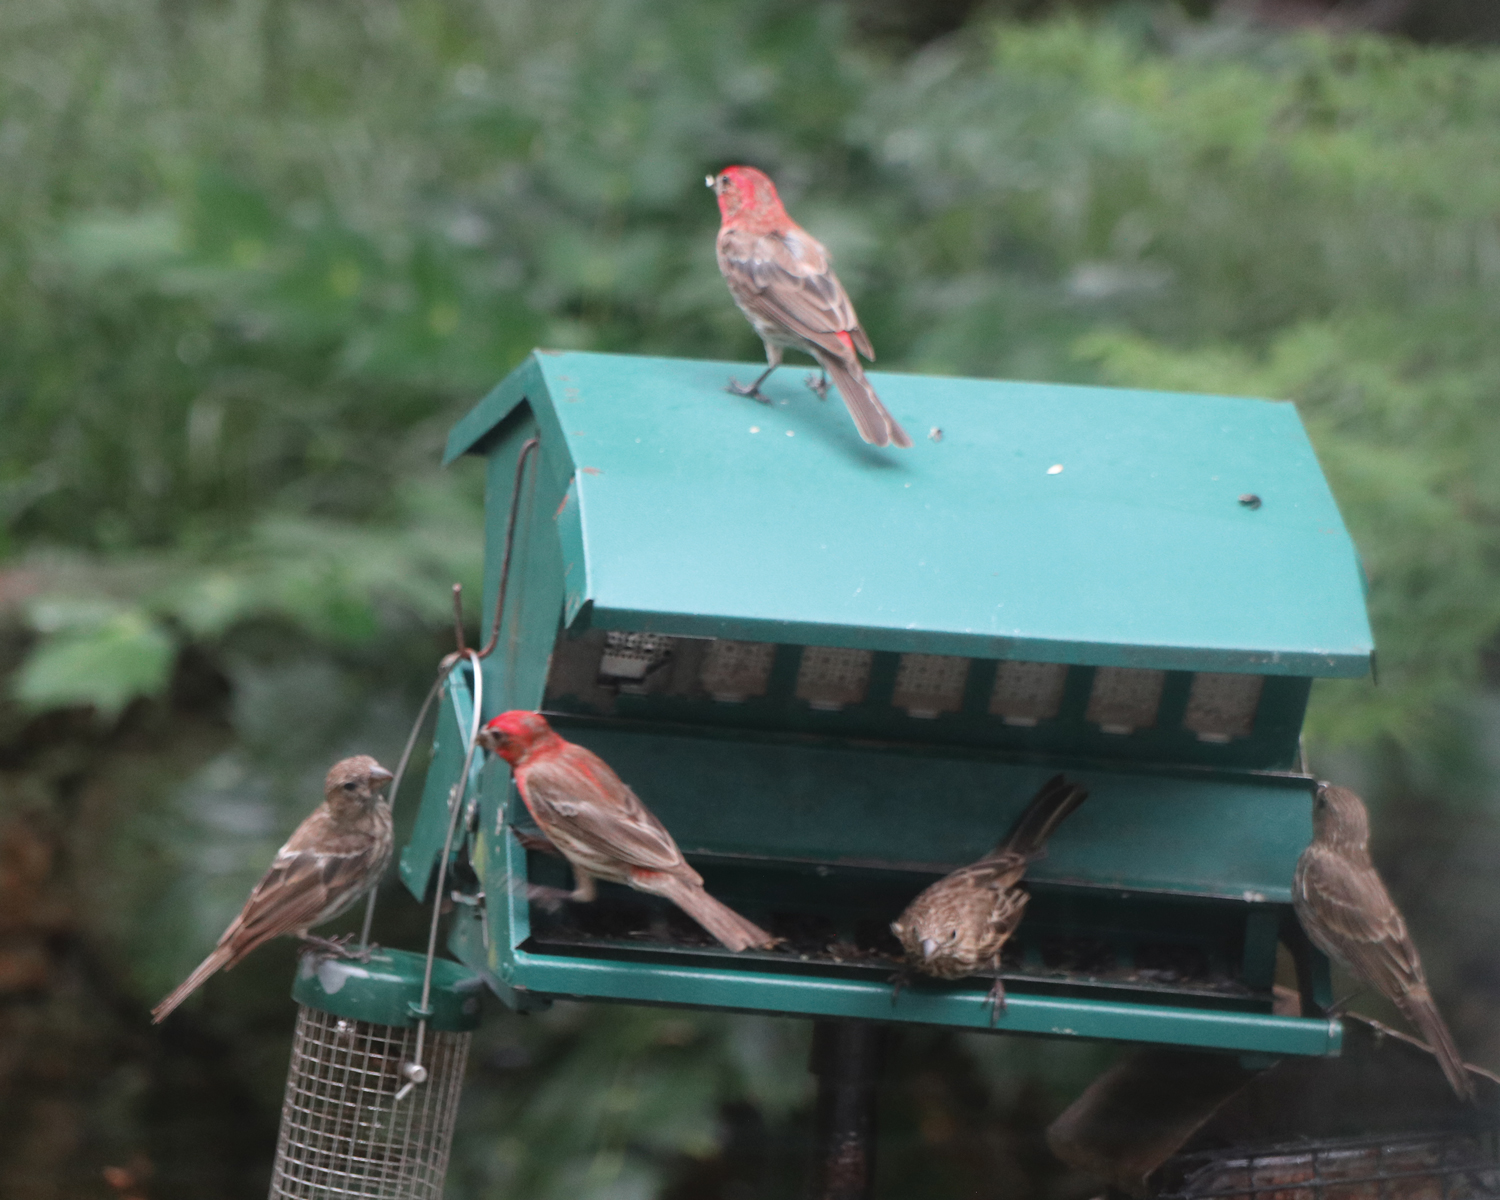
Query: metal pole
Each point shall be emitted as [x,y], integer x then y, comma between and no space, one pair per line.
[846,1059]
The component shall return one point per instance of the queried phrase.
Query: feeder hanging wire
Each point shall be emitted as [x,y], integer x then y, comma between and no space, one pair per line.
[414,1072]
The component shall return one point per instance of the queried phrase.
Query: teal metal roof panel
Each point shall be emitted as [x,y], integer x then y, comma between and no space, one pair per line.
[1047,522]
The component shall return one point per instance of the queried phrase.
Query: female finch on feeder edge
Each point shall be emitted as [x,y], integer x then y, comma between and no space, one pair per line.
[602,828]
[782,280]
[960,924]
[1346,911]
[336,856]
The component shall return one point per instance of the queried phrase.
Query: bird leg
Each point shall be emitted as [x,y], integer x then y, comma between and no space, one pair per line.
[335,947]
[1337,1008]
[550,898]
[996,1000]
[736,388]
[898,981]
[535,841]
[818,387]
[583,886]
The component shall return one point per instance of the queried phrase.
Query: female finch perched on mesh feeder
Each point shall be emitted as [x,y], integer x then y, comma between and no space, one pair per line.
[333,860]
[601,827]
[782,279]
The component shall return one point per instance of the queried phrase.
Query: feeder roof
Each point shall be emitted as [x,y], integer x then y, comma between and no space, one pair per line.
[1030,521]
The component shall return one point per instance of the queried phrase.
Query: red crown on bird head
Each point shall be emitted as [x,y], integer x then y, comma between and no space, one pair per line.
[513,734]
[744,190]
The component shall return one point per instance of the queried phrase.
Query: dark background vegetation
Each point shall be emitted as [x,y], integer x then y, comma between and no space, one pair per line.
[257,255]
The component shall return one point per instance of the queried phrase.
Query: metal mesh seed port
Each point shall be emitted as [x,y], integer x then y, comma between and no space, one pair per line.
[930,684]
[1028,692]
[344,1133]
[1454,1166]
[829,678]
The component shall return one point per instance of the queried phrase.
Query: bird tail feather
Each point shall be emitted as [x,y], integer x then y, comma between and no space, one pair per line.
[871,417]
[1418,1008]
[221,956]
[1047,810]
[723,922]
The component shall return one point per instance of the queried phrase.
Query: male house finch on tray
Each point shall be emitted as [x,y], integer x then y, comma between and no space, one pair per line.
[602,828]
[959,925]
[337,855]
[783,281]
[1349,915]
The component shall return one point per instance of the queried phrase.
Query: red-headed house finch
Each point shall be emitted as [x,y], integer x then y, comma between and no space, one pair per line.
[782,279]
[1348,914]
[333,859]
[959,925]
[602,828]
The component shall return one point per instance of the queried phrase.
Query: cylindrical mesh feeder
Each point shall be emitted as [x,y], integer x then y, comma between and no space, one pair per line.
[359,1118]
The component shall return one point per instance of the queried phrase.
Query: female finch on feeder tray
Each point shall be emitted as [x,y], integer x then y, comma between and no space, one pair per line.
[601,827]
[782,279]
[336,856]
[1343,905]
[960,924]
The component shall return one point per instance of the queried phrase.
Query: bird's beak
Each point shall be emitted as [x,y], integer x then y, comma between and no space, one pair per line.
[708,181]
[379,774]
[929,948]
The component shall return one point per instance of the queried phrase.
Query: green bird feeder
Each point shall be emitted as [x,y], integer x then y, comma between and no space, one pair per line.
[372,1090]
[836,673]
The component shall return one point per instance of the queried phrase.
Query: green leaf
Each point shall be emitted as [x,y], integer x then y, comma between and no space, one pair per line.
[105,665]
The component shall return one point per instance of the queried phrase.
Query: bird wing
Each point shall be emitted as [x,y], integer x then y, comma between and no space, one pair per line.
[1347,910]
[1010,905]
[577,791]
[1000,871]
[787,278]
[296,892]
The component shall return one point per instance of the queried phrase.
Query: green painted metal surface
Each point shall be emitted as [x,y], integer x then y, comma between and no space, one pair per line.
[587,978]
[653,508]
[675,517]
[455,717]
[495,944]
[388,989]
[1188,834]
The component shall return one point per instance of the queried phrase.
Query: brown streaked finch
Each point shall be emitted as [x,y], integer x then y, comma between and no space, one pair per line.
[333,859]
[1344,907]
[601,827]
[782,279]
[960,924]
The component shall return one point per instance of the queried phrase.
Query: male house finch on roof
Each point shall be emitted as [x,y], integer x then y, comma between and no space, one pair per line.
[602,828]
[1349,915]
[783,281]
[337,855]
[960,924]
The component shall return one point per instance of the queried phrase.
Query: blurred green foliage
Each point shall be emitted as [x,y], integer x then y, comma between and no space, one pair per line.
[257,255]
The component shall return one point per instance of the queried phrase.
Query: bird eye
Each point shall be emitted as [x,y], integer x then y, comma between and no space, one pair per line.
[351,786]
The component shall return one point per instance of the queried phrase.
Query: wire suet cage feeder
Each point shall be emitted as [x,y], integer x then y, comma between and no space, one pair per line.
[372,1090]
